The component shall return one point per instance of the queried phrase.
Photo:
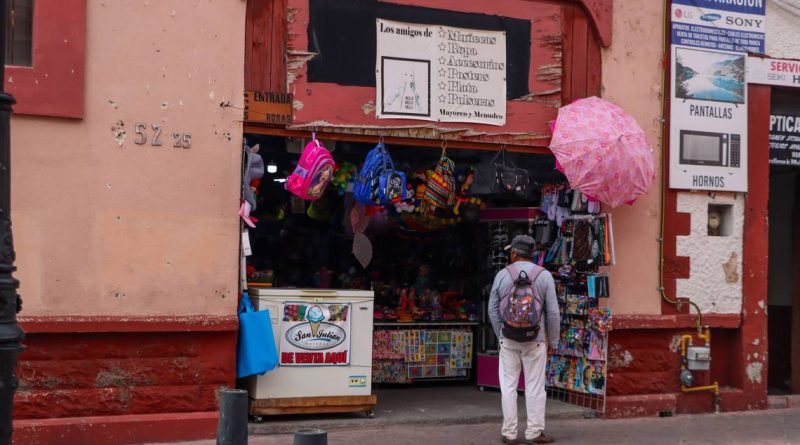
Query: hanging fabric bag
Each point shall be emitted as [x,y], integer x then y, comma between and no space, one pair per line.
[256,352]
[441,186]
[512,179]
[485,181]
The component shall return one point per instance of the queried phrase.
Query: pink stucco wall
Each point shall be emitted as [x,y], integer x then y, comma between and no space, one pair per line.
[104,226]
[632,69]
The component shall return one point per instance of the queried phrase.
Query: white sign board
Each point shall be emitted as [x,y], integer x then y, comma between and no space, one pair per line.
[718,25]
[708,127]
[315,334]
[785,73]
[708,108]
[440,73]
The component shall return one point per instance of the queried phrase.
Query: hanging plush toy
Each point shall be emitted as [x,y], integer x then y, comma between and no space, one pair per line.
[253,172]
[343,176]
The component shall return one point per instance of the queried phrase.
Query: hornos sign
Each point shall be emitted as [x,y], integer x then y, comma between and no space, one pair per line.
[315,334]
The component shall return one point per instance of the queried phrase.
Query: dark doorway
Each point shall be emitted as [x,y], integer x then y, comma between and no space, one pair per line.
[784,244]
[782,263]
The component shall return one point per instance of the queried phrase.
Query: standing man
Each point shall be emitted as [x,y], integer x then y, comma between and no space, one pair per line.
[523,297]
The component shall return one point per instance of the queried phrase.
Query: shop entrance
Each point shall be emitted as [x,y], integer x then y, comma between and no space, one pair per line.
[784,247]
[364,292]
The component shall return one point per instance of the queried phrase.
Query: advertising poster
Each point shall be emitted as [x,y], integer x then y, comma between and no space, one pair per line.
[784,130]
[785,73]
[315,334]
[729,25]
[708,126]
[708,110]
[440,73]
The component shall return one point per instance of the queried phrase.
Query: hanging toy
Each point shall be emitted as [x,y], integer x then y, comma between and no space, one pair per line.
[404,206]
[253,171]
[343,177]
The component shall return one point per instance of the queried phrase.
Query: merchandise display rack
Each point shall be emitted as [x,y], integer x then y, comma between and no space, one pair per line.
[409,352]
[577,373]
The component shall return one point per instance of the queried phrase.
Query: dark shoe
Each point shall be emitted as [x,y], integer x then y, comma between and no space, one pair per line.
[541,439]
[508,441]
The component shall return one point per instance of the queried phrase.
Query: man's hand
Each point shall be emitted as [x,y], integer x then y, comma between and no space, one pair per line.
[551,350]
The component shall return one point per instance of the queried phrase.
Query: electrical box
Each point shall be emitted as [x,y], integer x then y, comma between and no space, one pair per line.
[699,358]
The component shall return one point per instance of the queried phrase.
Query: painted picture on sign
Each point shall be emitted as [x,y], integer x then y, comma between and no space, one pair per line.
[709,75]
[320,181]
[406,86]
[710,149]
[315,334]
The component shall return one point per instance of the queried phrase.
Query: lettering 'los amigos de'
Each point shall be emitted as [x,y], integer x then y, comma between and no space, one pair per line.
[407,31]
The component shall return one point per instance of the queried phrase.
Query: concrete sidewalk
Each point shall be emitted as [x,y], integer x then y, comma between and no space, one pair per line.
[419,405]
[751,428]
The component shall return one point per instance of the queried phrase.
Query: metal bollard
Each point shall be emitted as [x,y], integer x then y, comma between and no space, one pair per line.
[311,437]
[232,427]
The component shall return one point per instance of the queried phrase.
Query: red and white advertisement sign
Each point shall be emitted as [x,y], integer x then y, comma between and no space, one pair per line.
[781,72]
[315,334]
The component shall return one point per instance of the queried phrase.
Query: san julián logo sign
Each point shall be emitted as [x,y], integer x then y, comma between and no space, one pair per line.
[327,336]
[315,334]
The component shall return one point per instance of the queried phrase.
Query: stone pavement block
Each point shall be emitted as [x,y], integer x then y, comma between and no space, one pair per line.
[418,406]
[742,428]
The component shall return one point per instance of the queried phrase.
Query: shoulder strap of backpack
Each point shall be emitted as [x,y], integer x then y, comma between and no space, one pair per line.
[513,272]
[535,272]
[386,159]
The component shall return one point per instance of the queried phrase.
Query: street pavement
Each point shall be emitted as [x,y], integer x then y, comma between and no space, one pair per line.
[779,426]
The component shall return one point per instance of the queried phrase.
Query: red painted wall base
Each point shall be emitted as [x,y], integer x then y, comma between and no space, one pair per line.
[112,381]
[117,430]
[644,365]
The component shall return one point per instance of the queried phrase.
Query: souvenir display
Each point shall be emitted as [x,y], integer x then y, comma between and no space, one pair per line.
[573,241]
[427,354]
[579,365]
[412,228]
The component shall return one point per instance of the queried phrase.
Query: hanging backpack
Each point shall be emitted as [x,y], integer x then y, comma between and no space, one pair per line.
[378,183]
[498,176]
[313,173]
[441,186]
[511,179]
[521,306]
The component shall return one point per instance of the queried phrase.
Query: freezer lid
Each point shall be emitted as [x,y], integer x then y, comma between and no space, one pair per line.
[284,293]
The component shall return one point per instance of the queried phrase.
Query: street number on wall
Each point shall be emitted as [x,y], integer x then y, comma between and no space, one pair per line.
[151,135]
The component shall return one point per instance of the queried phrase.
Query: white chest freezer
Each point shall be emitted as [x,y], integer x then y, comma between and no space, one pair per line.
[324,342]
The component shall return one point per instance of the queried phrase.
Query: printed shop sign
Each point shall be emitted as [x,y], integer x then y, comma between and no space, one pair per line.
[440,73]
[785,73]
[708,127]
[315,334]
[708,110]
[784,131]
[730,25]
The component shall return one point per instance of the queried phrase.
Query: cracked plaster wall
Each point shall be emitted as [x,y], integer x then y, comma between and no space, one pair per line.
[783,22]
[632,69]
[103,226]
[715,261]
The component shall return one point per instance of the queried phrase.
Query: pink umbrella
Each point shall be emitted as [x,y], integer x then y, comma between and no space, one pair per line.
[602,151]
